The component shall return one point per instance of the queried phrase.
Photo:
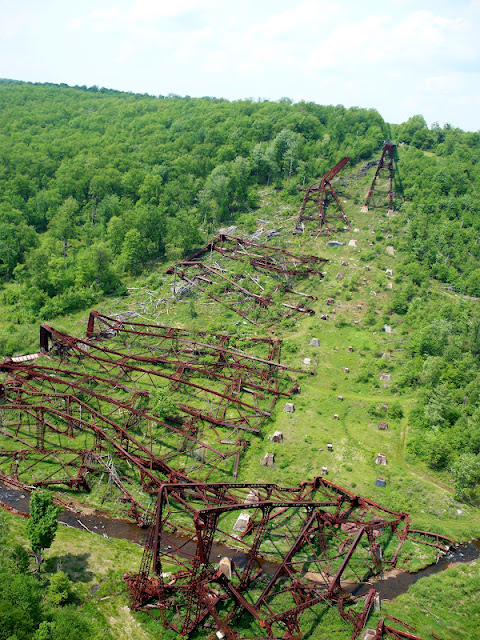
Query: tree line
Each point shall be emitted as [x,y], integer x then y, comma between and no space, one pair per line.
[96,184]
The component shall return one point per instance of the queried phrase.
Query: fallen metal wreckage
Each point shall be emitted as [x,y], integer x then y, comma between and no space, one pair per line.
[98,390]
[81,409]
[95,391]
[196,272]
[321,537]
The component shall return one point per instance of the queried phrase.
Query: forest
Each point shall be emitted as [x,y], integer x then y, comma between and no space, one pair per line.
[101,190]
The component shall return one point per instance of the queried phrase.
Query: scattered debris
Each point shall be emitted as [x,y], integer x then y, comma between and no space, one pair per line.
[390,250]
[314,342]
[289,407]
[387,328]
[383,426]
[339,276]
[386,377]
[380,482]
[352,243]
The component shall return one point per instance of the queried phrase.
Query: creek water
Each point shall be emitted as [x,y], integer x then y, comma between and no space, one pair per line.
[388,587]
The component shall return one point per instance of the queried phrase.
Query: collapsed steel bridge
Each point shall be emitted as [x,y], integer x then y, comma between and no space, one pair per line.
[221,284]
[85,408]
[262,256]
[299,553]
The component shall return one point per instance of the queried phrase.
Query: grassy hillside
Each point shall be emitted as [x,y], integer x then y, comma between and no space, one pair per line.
[129,184]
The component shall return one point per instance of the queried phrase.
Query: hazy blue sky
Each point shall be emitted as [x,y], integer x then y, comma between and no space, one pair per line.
[401,57]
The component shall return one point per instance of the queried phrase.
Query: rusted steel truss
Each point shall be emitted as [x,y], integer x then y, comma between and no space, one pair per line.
[384,171]
[233,287]
[83,407]
[291,551]
[261,256]
[239,395]
[315,205]
[259,354]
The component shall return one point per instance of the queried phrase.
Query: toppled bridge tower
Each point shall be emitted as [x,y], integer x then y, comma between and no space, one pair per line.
[320,540]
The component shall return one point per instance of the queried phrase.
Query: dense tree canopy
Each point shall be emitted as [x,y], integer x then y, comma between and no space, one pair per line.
[96,183]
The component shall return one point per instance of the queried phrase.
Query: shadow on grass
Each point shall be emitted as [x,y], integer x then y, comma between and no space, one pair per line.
[75,566]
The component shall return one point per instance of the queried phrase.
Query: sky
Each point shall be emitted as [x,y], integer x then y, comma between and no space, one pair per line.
[401,57]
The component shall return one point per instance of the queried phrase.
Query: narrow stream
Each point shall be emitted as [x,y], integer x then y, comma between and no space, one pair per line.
[388,588]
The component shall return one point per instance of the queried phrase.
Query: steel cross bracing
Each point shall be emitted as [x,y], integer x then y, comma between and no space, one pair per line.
[42,412]
[385,170]
[109,378]
[315,206]
[262,256]
[259,355]
[319,539]
[52,438]
[240,394]
[267,290]
[154,337]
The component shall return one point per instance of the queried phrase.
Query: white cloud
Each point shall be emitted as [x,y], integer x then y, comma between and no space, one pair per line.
[420,38]
[199,40]
[76,23]
[450,82]
[112,13]
[350,45]
[302,19]
[158,9]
